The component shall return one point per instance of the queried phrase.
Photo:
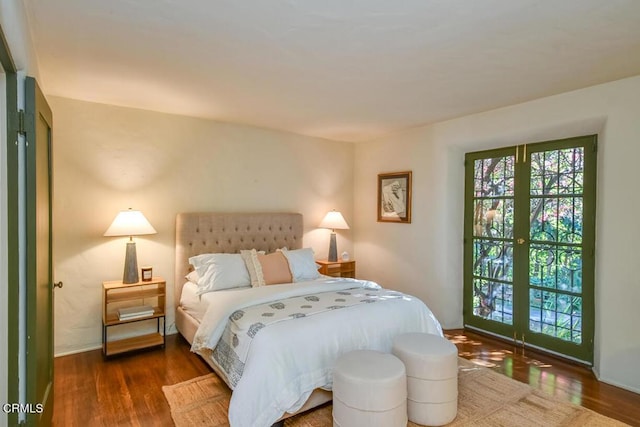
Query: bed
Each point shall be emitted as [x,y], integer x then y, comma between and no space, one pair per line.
[286,367]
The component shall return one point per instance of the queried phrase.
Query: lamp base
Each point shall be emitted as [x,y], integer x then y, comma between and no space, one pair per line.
[130,264]
[333,249]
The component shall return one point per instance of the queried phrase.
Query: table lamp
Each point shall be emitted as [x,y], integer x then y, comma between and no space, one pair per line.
[335,221]
[130,223]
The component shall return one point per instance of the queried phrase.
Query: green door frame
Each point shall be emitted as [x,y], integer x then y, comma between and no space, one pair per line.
[501,329]
[584,351]
[13,267]
[520,281]
[38,124]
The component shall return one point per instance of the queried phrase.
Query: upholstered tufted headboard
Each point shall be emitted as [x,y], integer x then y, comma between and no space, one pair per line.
[211,232]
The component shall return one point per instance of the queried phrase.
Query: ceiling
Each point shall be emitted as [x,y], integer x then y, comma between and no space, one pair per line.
[349,70]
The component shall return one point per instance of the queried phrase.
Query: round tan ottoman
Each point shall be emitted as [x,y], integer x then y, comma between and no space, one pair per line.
[431,362]
[369,390]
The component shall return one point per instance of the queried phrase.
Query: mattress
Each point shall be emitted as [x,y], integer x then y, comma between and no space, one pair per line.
[196,305]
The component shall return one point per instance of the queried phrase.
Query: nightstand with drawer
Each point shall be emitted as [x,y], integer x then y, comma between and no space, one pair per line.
[337,268]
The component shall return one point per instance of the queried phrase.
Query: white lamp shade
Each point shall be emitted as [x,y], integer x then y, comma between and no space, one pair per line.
[130,223]
[334,220]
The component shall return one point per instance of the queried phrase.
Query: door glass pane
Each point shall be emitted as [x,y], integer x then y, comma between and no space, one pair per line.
[555,251]
[555,266]
[493,300]
[493,259]
[494,218]
[556,219]
[557,171]
[493,199]
[557,315]
[493,177]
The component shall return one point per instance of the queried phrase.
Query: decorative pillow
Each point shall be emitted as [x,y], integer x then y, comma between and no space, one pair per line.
[275,268]
[221,271]
[302,264]
[250,258]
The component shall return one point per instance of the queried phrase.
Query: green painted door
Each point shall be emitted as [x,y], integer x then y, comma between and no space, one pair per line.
[530,244]
[39,364]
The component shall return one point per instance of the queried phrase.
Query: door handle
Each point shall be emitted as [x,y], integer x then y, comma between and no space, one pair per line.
[58,285]
[520,241]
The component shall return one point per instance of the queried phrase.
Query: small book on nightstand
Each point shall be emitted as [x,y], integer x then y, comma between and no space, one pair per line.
[135,312]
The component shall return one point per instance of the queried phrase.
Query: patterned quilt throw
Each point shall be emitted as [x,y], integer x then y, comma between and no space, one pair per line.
[231,351]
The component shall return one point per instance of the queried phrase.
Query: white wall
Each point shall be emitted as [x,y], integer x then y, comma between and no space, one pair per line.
[425,258]
[14,22]
[110,158]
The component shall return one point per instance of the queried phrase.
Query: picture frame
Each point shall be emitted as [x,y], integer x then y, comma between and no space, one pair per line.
[394,197]
[147,274]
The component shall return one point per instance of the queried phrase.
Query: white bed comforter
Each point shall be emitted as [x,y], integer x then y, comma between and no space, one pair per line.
[289,359]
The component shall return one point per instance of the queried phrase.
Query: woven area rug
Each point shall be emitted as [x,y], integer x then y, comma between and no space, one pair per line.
[485,398]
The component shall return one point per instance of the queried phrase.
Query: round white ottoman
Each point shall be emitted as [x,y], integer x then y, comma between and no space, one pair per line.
[431,362]
[369,390]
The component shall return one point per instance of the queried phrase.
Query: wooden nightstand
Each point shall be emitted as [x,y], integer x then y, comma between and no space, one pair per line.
[337,268]
[117,295]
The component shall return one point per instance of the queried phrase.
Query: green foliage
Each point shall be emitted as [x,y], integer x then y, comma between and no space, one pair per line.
[555,238]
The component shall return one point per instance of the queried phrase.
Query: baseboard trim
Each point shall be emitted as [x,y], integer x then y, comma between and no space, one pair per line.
[78,350]
[170,331]
[617,384]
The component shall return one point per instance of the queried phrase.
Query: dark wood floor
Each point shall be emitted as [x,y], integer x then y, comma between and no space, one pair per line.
[126,390]
[549,374]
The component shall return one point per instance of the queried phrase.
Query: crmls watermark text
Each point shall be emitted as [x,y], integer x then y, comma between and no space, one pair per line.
[22,408]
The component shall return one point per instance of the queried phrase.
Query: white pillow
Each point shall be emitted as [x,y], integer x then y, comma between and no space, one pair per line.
[302,264]
[201,262]
[221,271]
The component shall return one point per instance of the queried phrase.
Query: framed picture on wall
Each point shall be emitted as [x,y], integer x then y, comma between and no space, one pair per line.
[394,197]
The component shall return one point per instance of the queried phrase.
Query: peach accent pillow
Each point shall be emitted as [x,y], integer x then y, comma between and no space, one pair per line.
[275,268]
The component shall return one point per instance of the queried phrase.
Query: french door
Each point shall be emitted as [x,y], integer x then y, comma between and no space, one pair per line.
[530,244]
[39,274]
